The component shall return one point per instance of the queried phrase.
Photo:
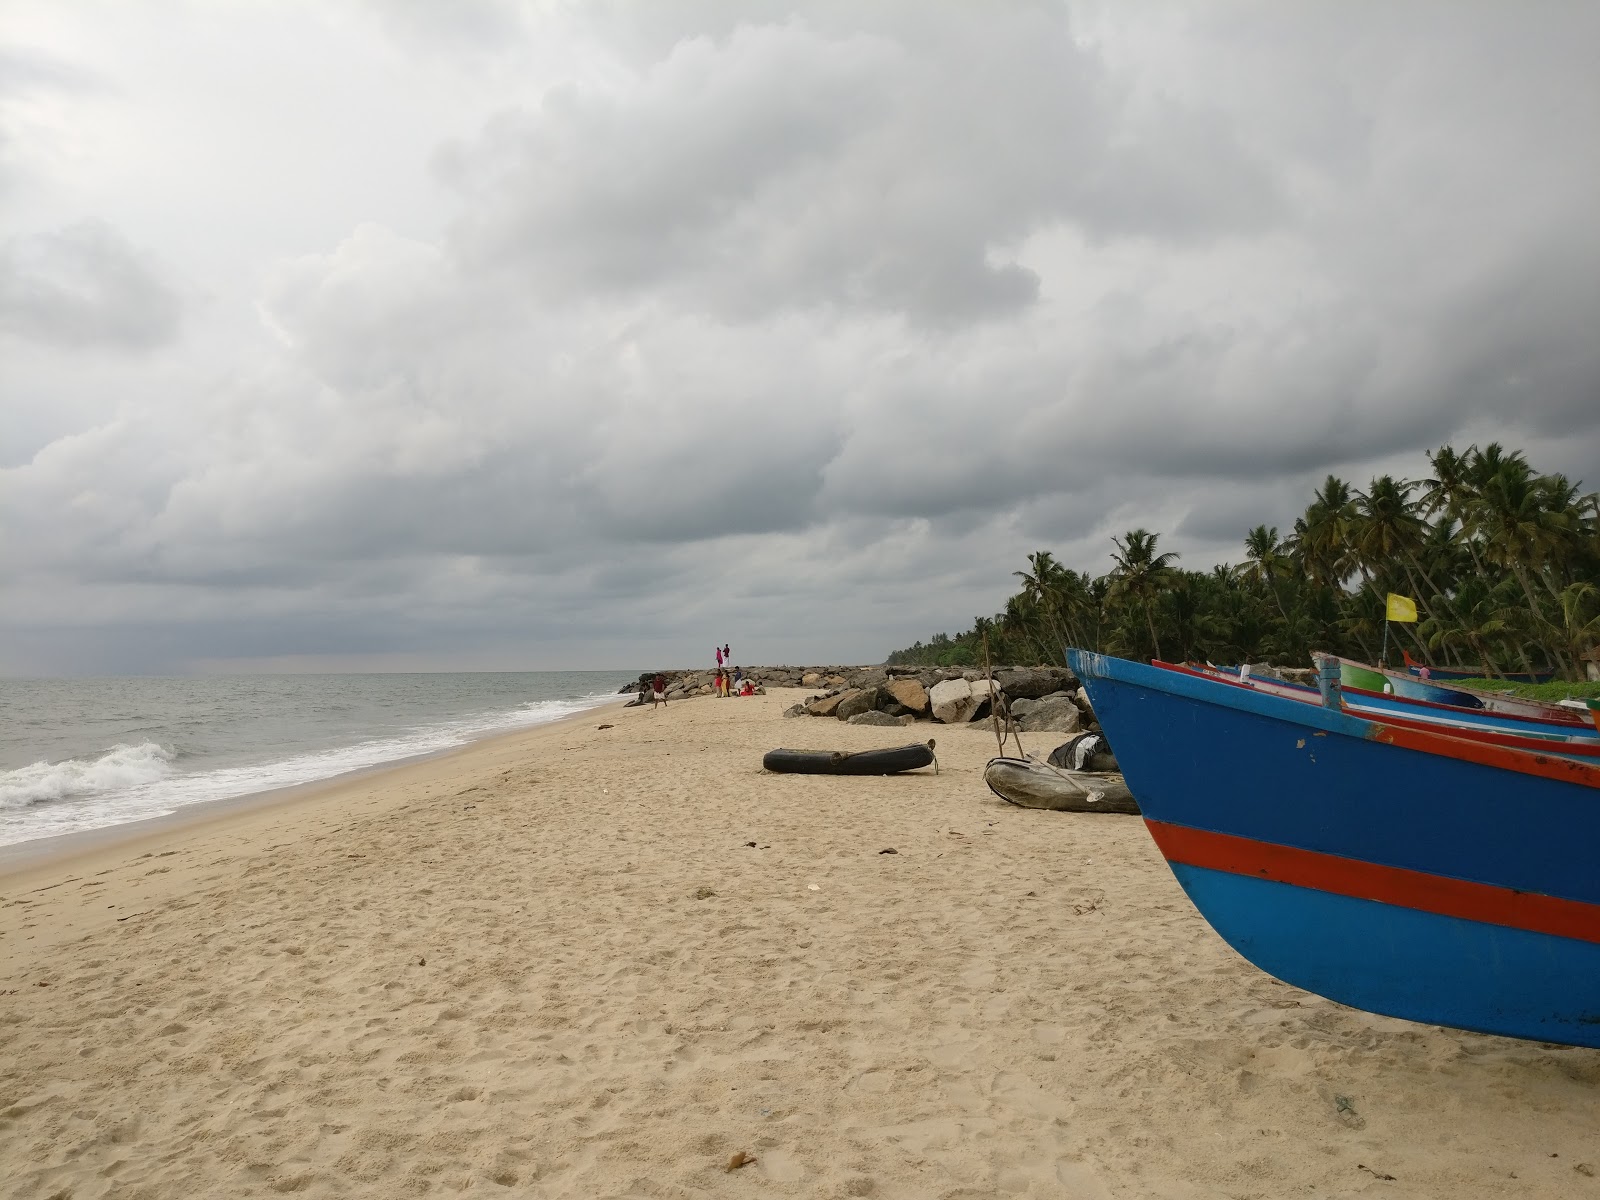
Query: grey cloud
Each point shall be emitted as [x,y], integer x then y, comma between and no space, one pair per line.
[84,285]
[786,167]
[757,310]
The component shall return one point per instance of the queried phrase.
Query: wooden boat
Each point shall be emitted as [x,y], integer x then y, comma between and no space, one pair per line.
[1029,783]
[1393,683]
[860,762]
[1576,742]
[1408,687]
[1475,672]
[1403,871]
[1557,722]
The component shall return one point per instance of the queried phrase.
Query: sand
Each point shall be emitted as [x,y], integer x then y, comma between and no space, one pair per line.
[602,962]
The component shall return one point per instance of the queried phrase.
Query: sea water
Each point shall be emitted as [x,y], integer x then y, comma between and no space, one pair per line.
[78,754]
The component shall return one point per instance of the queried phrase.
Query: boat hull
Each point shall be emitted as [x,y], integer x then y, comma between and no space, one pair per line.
[1325,943]
[1475,858]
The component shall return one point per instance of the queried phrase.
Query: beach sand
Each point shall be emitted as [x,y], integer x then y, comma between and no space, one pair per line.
[600,962]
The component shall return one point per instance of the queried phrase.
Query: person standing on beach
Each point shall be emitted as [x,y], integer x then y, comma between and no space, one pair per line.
[658,691]
[727,655]
[719,657]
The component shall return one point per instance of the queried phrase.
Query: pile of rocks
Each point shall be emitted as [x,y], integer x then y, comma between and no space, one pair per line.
[1037,699]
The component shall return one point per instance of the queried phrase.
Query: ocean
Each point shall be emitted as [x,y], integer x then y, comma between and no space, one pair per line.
[80,754]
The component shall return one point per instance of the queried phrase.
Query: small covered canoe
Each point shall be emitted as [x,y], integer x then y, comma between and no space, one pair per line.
[861,762]
[1029,783]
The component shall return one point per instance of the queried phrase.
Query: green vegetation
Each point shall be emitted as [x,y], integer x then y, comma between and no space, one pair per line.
[1555,690]
[1504,564]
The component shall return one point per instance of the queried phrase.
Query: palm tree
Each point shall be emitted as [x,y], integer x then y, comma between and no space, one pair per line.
[1519,532]
[1045,586]
[1451,492]
[1140,572]
[1324,536]
[1267,560]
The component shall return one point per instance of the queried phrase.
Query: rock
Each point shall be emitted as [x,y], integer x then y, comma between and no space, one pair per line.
[795,710]
[908,693]
[873,717]
[855,702]
[824,706]
[837,681]
[1032,683]
[810,679]
[952,701]
[1052,716]
[1022,706]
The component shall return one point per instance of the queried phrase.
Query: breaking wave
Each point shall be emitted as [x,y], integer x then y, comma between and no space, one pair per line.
[118,769]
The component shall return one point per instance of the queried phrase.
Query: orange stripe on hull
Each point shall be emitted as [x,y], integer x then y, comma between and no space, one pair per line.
[1361,880]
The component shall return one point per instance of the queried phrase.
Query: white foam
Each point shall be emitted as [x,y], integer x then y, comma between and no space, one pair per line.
[134,783]
[119,768]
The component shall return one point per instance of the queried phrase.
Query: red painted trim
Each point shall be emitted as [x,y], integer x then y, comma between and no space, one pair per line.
[1398,886]
[1465,749]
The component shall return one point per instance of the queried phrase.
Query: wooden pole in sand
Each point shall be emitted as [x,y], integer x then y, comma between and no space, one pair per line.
[994,703]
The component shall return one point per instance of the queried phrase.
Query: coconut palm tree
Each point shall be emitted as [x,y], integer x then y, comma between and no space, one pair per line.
[1140,572]
[1267,560]
[1520,534]
[1324,537]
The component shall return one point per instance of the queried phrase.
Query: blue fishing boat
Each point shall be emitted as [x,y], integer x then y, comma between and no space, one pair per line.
[1399,870]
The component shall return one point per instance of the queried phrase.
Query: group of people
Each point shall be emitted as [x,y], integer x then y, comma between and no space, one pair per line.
[731,681]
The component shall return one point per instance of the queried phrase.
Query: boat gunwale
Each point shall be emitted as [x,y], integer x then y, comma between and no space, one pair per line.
[1322,720]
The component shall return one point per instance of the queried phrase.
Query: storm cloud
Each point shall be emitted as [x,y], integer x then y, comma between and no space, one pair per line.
[631,327]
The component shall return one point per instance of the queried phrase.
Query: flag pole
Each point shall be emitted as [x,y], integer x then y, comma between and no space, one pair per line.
[1383,656]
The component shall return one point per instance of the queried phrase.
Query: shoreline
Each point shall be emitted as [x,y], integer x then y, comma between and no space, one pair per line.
[18,857]
[570,961]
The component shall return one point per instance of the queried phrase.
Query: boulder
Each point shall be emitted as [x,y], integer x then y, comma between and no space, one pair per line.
[909,693]
[795,710]
[810,679]
[1022,706]
[855,702]
[835,681]
[1034,683]
[873,717]
[1052,716]
[952,701]
[868,677]
[824,706]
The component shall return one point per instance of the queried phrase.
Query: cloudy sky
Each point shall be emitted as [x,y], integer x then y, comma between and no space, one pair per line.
[553,335]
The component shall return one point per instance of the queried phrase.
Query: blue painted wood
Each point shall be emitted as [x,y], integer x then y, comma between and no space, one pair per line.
[1376,704]
[1456,972]
[1203,754]
[1409,687]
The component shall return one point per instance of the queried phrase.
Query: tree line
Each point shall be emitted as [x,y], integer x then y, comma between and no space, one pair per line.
[1502,561]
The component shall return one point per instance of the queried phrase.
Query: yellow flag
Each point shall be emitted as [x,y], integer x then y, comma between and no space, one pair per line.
[1401,608]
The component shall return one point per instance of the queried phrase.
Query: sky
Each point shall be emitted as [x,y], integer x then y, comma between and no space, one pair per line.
[493,335]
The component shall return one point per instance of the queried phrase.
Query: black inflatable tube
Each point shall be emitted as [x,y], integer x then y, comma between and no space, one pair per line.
[837,762]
